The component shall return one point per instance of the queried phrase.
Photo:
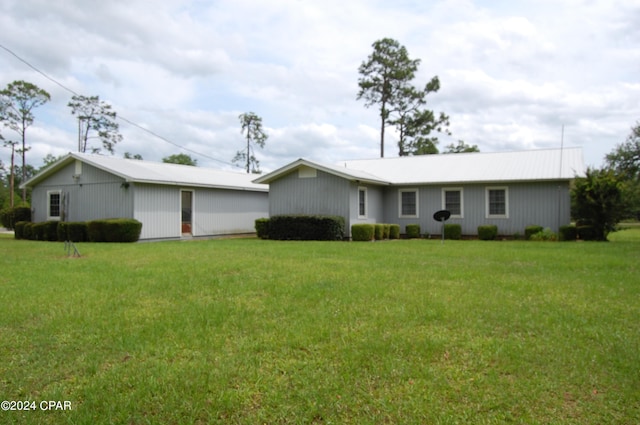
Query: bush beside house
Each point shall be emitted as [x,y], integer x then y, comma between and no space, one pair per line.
[453,231]
[362,232]
[412,231]
[306,227]
[10,216]
[488,232]
[262,228]
[110,230]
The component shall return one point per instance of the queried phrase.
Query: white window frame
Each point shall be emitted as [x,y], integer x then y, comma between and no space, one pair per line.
[366,202]
[49,216]
[506,202]
[444,200]
[400,192]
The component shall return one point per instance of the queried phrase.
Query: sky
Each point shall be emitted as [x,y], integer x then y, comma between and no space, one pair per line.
[514,75]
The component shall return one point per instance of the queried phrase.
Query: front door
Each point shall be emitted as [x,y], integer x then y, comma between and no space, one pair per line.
[186,205]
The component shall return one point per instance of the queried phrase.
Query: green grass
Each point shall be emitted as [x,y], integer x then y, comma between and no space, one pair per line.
[248,331]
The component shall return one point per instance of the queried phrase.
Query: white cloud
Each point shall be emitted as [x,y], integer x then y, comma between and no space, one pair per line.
[512,73]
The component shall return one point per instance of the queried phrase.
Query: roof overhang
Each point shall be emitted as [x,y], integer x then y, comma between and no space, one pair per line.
[88,159]
[345,173]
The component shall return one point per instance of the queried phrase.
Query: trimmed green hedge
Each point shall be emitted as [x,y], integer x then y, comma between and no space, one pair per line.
[378,231]
[532,230]
[413,231]
[453,231]
[28,230]
[394,231]
[306,227]
[114,230]
[110,230]
[19,229]
[362,232]
[45,231]
[73,231]
[488,232]
[262,228]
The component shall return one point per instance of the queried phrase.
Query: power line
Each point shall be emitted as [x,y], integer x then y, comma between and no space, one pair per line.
[164,139]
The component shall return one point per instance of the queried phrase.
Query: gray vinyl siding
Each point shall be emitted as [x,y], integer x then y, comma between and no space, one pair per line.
[324,194]
[95,194]
[375,205]
[542,203]
[215,212]
[222,212]
[158,209]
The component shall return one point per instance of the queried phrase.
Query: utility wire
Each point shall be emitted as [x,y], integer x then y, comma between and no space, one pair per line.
[164,139]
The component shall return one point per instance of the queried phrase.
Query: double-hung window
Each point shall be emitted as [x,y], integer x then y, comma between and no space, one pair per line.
[497,202]
[452,201]
[362,202]
[408,203]
[54,204]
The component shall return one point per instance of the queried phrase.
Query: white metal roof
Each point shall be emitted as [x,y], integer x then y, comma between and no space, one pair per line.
[533,165]
[137,171]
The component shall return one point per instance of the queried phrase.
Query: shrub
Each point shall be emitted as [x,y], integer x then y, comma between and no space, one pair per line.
[532,230]
[19,229]
[587,233]
[378,231]
[488,232]
[10,216]
[50,231]
[96,231]
[394,231]
[387,231]
[568,233]
[452,231]
[72,231]
[262,228]
[306,227]
[28,230]
[413,231]
[37,231]
[114,230]
[362,232]
[544,235]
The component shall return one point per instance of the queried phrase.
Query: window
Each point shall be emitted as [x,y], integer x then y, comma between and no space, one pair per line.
[54,204]
[408,203]
[497,199]
[452,201]
[362,202]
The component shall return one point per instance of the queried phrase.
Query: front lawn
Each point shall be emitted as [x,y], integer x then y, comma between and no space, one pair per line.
[248,331]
